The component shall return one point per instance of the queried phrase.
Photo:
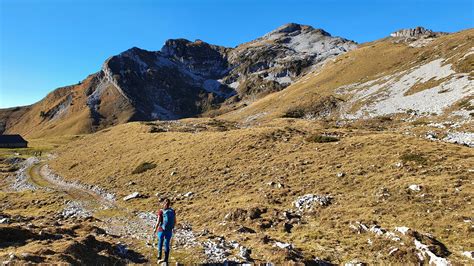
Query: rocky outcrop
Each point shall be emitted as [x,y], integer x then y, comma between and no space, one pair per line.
[415,33]
[274,61]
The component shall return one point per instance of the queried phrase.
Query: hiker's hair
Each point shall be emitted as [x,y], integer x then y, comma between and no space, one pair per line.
[167,201]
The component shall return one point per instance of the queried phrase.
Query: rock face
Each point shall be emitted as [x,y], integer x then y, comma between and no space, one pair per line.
[187,78]
[416,33]
[183,79]
[274,61]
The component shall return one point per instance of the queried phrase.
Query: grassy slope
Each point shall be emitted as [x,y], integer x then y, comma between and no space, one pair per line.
[368,62]
[77,119]
[231,169]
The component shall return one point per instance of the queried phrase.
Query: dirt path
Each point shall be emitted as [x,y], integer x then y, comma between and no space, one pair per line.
[38,176]
[115,218]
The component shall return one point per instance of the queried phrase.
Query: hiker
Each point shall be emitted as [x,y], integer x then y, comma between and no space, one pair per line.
[164,229]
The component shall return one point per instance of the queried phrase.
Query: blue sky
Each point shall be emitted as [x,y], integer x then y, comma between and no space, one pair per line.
[46,44]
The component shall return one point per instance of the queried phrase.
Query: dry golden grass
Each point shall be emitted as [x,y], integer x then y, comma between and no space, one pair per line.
[31,122]
[421,86]
[229,169]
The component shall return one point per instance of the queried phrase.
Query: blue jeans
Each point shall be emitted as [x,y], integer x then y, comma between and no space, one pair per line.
[164,236]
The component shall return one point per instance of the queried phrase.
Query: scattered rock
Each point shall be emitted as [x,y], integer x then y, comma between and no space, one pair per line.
[383,193]
[462,138]
[341,174]
[355,263]
[275,184]
[217,250]
[377,229]
[307,201]
[236,215]
[132,196]
[244,253]
[245,230]
[75,209]
[469,254]
[431,136]
[399,164]
[19,181]
[402,229]
[414,187]
[188,194]
[283,245]
[427,251]
[4,221]
[393,250]
[288,215]
[359,227]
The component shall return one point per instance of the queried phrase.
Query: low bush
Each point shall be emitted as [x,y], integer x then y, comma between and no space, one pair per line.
[143,167]
[413,157]
[295,112]
[317,108]
[321,139]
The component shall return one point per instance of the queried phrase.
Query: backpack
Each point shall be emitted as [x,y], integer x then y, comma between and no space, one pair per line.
[168,219]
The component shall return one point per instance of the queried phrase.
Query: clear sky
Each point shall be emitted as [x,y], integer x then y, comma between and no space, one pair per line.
[45,44]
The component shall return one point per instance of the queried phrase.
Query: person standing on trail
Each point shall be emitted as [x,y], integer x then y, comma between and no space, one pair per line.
[164,229]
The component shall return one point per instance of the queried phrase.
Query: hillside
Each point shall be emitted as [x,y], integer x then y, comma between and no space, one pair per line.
[413,78]
[183,79]
[366,176]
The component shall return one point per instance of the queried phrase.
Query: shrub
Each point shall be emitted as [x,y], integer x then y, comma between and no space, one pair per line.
[156,129]
[318,107]
[413,157]
[419,123]
[321,139]
[143,167]
[384,118]
[295,112]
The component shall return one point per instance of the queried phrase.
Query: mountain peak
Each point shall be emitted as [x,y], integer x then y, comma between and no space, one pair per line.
[291,27]
[184,47]
[132,51]
[294,29]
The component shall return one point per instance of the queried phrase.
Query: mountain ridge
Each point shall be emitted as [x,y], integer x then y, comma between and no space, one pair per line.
[182,79]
